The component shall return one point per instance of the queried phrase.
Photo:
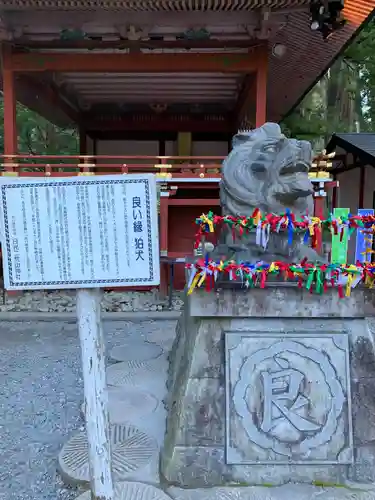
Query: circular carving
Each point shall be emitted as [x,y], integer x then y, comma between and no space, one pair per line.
[132,491]
[276,417]
[135,351]
[126,404]
[131,449]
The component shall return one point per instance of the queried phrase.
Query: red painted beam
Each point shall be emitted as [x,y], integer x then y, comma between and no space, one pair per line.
[136,44]
[135,63]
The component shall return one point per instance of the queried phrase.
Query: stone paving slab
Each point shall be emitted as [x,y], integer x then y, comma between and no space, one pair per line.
[286,492]
[143,351]
[127,404]
[163,338]
[41,394]
[133,491]
[131,449]
[151,376]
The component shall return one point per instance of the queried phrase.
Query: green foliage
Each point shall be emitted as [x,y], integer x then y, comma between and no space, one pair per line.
[343,100]
[38,136]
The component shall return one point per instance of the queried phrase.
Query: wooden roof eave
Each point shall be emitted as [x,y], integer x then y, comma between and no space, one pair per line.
[41,104]
[349,148]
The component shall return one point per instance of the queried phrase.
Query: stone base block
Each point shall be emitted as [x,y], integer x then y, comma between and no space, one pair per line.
[271,386]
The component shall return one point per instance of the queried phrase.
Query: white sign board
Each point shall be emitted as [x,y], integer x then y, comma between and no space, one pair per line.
[80,232]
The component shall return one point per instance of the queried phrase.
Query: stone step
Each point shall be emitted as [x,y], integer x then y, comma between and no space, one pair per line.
[128,404]
[132,491]
[132,450]
[139,351]
[285,492]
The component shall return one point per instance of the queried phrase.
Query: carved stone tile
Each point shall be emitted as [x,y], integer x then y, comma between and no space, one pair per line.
[288,399]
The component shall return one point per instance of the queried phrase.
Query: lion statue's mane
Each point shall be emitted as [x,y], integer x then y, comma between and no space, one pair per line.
[266,170]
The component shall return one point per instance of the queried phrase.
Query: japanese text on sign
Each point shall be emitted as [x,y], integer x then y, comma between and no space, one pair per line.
[70,233]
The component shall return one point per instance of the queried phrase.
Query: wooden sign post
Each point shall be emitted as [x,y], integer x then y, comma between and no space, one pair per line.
[86,234]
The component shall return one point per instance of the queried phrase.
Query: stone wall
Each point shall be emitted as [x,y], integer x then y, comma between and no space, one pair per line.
[226,425]
[65,301]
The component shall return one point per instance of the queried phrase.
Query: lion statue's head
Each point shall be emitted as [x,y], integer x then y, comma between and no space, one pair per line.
[266,170]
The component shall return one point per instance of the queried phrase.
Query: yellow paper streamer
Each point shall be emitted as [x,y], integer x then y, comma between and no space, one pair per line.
[201,281]
[257,218]
[193,284]
[272,268]
[349,285]
[315,221]
[209,222]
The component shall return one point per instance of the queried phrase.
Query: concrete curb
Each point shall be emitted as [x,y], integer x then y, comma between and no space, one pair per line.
[106,316]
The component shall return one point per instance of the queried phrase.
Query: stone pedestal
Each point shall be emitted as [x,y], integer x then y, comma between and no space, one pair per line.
[271,386]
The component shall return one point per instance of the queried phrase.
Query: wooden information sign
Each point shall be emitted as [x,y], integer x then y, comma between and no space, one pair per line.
[85,233]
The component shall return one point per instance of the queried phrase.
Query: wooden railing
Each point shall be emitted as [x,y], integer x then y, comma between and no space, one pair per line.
[199,167]
[62,166]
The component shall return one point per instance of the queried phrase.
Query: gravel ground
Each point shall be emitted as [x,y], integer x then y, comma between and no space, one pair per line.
[40,396]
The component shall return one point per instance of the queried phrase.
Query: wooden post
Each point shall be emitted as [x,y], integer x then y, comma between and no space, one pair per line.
[261,92]
[10,122]
[95,391]
[163,231]
[82,141]
[362,179]
[319,204]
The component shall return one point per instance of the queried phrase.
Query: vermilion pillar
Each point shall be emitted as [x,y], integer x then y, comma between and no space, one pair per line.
[10,121]
[163,232]
[261,91]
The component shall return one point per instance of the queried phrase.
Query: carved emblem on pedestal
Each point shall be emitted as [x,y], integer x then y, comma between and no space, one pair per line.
[288,399]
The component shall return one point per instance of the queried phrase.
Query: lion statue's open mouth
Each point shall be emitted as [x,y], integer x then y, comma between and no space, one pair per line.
[294,184]
[269,171]
[266,170]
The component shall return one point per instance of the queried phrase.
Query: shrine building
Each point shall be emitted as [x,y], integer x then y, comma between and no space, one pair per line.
[162,85]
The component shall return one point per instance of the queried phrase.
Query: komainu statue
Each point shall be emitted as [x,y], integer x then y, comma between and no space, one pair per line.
[266,170]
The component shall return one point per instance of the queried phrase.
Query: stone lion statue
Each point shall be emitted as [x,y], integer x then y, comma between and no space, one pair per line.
[266,170]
